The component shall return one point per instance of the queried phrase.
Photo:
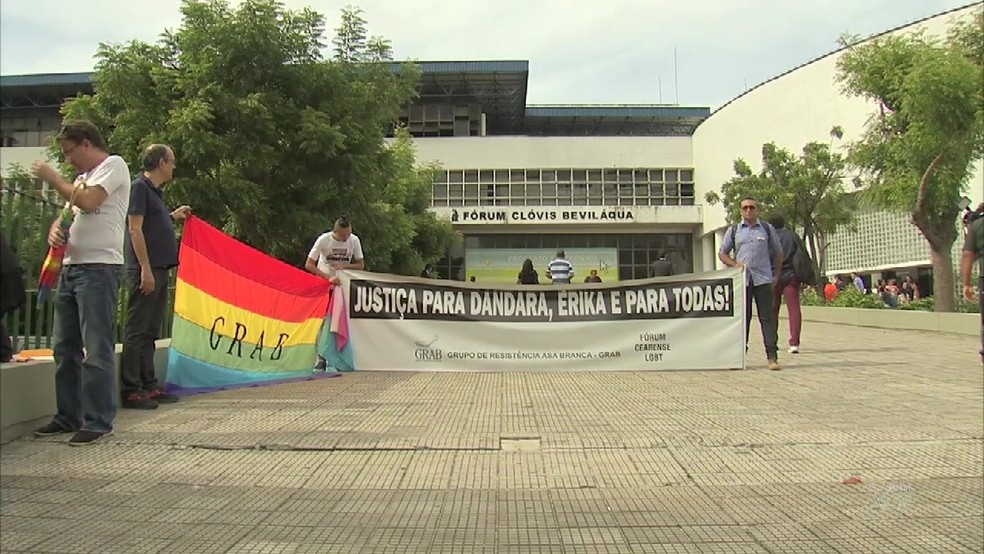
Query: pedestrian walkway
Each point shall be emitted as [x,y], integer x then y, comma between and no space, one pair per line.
[869,441]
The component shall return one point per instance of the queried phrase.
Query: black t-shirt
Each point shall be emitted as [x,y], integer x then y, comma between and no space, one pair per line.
[158,228]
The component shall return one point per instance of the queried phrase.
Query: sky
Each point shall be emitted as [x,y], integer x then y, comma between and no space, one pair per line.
[580,51]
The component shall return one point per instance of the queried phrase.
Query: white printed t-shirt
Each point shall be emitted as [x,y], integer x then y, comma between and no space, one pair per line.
[96,237]
[327,249]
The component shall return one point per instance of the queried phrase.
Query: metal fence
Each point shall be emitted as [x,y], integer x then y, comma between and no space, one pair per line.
[26,213]
[31,326]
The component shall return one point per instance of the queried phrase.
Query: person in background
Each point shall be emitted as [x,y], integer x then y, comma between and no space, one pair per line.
[593,277]
[89,283]
[910,290]
[661,267]
[428,272]
[973,250]
[560,270]
[858,283]
[13,294]
[788,286]
[756,248]
[830,290]
[151,251]
[335,250]
[527,275]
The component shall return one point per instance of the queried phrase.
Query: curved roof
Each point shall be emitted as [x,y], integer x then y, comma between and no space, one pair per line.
[841,49]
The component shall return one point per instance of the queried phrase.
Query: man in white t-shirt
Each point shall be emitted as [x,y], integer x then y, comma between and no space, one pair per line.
[337,249]
[88,286]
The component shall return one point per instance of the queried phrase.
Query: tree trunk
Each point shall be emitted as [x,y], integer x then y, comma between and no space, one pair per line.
[943,283]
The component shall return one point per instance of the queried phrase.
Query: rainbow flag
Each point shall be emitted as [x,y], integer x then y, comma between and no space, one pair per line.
[241,318]
[53,261]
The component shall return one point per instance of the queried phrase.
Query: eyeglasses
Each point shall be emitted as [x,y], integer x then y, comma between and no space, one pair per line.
[68,151]
[744,208]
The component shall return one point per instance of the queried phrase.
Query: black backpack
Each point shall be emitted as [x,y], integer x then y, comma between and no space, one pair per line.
[803,267]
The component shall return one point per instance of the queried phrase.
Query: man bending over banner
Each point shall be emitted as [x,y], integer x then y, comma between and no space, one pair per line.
[337,249]
[151,251]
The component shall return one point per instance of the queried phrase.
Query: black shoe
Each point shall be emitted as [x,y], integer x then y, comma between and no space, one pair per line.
[83,438]
[158,395]
[52,429]
[139,401]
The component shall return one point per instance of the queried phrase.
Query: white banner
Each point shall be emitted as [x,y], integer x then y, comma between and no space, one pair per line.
[693,321]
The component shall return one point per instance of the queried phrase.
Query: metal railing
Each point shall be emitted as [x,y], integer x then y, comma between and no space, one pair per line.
[31,326]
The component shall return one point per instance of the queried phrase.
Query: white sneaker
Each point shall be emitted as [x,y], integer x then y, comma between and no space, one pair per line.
[794,350]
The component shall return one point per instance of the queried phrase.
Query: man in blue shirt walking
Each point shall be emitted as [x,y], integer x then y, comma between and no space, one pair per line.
[756,247]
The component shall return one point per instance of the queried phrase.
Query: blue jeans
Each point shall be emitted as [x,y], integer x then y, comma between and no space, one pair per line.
[85,312]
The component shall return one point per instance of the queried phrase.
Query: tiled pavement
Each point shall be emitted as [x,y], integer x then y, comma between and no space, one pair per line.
[682,462]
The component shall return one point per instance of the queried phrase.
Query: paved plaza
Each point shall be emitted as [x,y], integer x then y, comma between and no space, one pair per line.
[678,462]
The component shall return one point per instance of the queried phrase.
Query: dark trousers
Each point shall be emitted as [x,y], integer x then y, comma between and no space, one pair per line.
[768,320]
[6,345]
[144,318]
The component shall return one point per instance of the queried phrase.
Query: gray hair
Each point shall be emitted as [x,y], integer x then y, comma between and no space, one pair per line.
[154,156]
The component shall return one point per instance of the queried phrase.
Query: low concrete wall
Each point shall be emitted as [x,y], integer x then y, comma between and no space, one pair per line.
[914,320]
[27,392]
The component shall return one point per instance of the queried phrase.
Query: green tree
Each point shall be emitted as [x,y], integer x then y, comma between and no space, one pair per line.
[273,142]
[807,190]
[916,156]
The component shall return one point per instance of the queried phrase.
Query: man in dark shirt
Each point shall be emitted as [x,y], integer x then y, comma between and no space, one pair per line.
[788,286]
[12,294]
[151,251]
[661,267]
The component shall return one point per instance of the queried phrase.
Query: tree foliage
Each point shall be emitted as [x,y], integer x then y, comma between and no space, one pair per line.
[806,190]
[916,154]
[273,142]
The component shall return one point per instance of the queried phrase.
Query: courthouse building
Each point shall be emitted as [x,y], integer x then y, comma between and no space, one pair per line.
[612,185]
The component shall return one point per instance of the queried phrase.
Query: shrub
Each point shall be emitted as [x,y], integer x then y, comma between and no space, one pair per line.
[851,297]
[812,297]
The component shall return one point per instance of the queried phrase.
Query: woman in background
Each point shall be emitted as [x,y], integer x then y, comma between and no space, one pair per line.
[528,275]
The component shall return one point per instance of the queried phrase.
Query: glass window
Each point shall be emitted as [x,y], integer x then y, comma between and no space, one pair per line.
[532,190]
[455,195]
[441,194]
[471,176]
[672,175]
[656,175]
[687,189]
[532,174]
[455,176]
[549,176]
[549,190]
[502,191]
[687,175]
[486,176]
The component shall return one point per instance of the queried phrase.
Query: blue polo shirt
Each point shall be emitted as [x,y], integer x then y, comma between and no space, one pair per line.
[158,228]
[754,249]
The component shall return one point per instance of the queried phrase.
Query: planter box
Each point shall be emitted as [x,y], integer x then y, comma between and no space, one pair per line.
[27,392]
[915,320]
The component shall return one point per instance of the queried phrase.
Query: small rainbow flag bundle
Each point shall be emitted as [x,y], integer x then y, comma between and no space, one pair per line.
[53,262]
